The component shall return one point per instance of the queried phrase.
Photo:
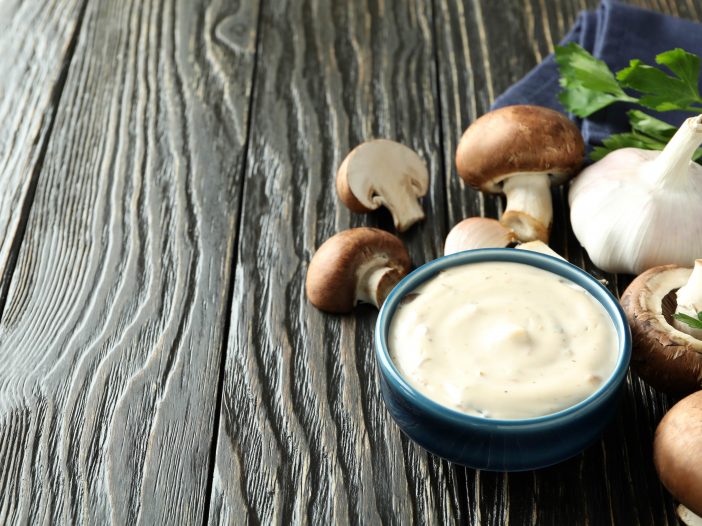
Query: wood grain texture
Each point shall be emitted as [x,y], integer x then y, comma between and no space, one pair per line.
[35,39]
[112,336]
[614,480]
[304,436]
[117,313]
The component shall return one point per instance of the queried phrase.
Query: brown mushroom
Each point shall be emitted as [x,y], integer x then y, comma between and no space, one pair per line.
[521,151]
[478,232]
[677,451]
[664,356]
[384,173]
[356,265]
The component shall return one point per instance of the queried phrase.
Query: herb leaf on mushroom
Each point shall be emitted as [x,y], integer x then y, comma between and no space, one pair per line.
[689,320]
[665,353]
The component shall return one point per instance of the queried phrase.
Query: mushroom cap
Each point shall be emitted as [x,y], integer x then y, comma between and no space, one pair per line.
[677,451]
[334,272]
[519,139]
[665,357]
[383,172]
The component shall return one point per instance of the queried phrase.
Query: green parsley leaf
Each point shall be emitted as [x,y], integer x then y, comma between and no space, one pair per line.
[685,65]
[589,85]
[650,126]
[689,320]
[648,133]
[663,92]
[625,140]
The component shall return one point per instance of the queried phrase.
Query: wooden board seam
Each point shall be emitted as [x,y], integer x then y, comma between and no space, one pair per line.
[230,288]
[48,121]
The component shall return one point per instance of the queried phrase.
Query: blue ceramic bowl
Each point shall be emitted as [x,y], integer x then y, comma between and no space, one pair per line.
[491,444]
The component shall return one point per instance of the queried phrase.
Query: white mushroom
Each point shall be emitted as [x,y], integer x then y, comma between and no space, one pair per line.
[384,173]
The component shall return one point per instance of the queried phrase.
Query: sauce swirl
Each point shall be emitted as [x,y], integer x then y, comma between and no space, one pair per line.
[503,340]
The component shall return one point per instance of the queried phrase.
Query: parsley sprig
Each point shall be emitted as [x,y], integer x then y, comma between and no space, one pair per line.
[695,323]
[589,86]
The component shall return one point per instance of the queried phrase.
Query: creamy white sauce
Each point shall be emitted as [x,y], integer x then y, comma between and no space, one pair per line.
[503,340]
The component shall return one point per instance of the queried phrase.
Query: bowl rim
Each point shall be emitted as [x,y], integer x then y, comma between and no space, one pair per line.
[552,264]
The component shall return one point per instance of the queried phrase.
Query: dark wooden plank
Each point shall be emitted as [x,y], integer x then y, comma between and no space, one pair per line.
[35,39]
[112,336]
[304,435]
[614,480]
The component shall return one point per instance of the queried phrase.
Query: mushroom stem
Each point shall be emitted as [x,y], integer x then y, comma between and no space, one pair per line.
[375,281]
[689,298]
[671,166]
[688,517]
[529,210]
[404,207]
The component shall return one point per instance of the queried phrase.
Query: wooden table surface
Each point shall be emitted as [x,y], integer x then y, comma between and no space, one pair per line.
[166,172]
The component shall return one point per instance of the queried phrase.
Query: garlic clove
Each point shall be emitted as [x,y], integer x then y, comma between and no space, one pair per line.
[477,232]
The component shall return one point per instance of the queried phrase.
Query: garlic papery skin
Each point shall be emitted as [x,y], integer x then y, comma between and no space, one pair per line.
[689,298]
[477,232]
[636,209]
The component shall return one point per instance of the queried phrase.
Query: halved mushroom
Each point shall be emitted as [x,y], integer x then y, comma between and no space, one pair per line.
[356,265]
[664,356]
[387,173]
[478,232]
[521,151]
[677,452]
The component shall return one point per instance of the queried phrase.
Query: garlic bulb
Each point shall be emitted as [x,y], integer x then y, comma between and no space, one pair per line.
[636,209]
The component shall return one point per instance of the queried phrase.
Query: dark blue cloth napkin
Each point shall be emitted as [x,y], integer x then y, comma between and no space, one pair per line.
[614,33]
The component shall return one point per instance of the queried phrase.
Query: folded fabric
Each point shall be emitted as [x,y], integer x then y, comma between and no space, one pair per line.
[614,33]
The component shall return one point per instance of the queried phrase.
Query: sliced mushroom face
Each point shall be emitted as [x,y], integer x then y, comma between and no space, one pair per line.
[521,151]
[677,452]
[384,173]
[477,232]
[356,265]
[665,357]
